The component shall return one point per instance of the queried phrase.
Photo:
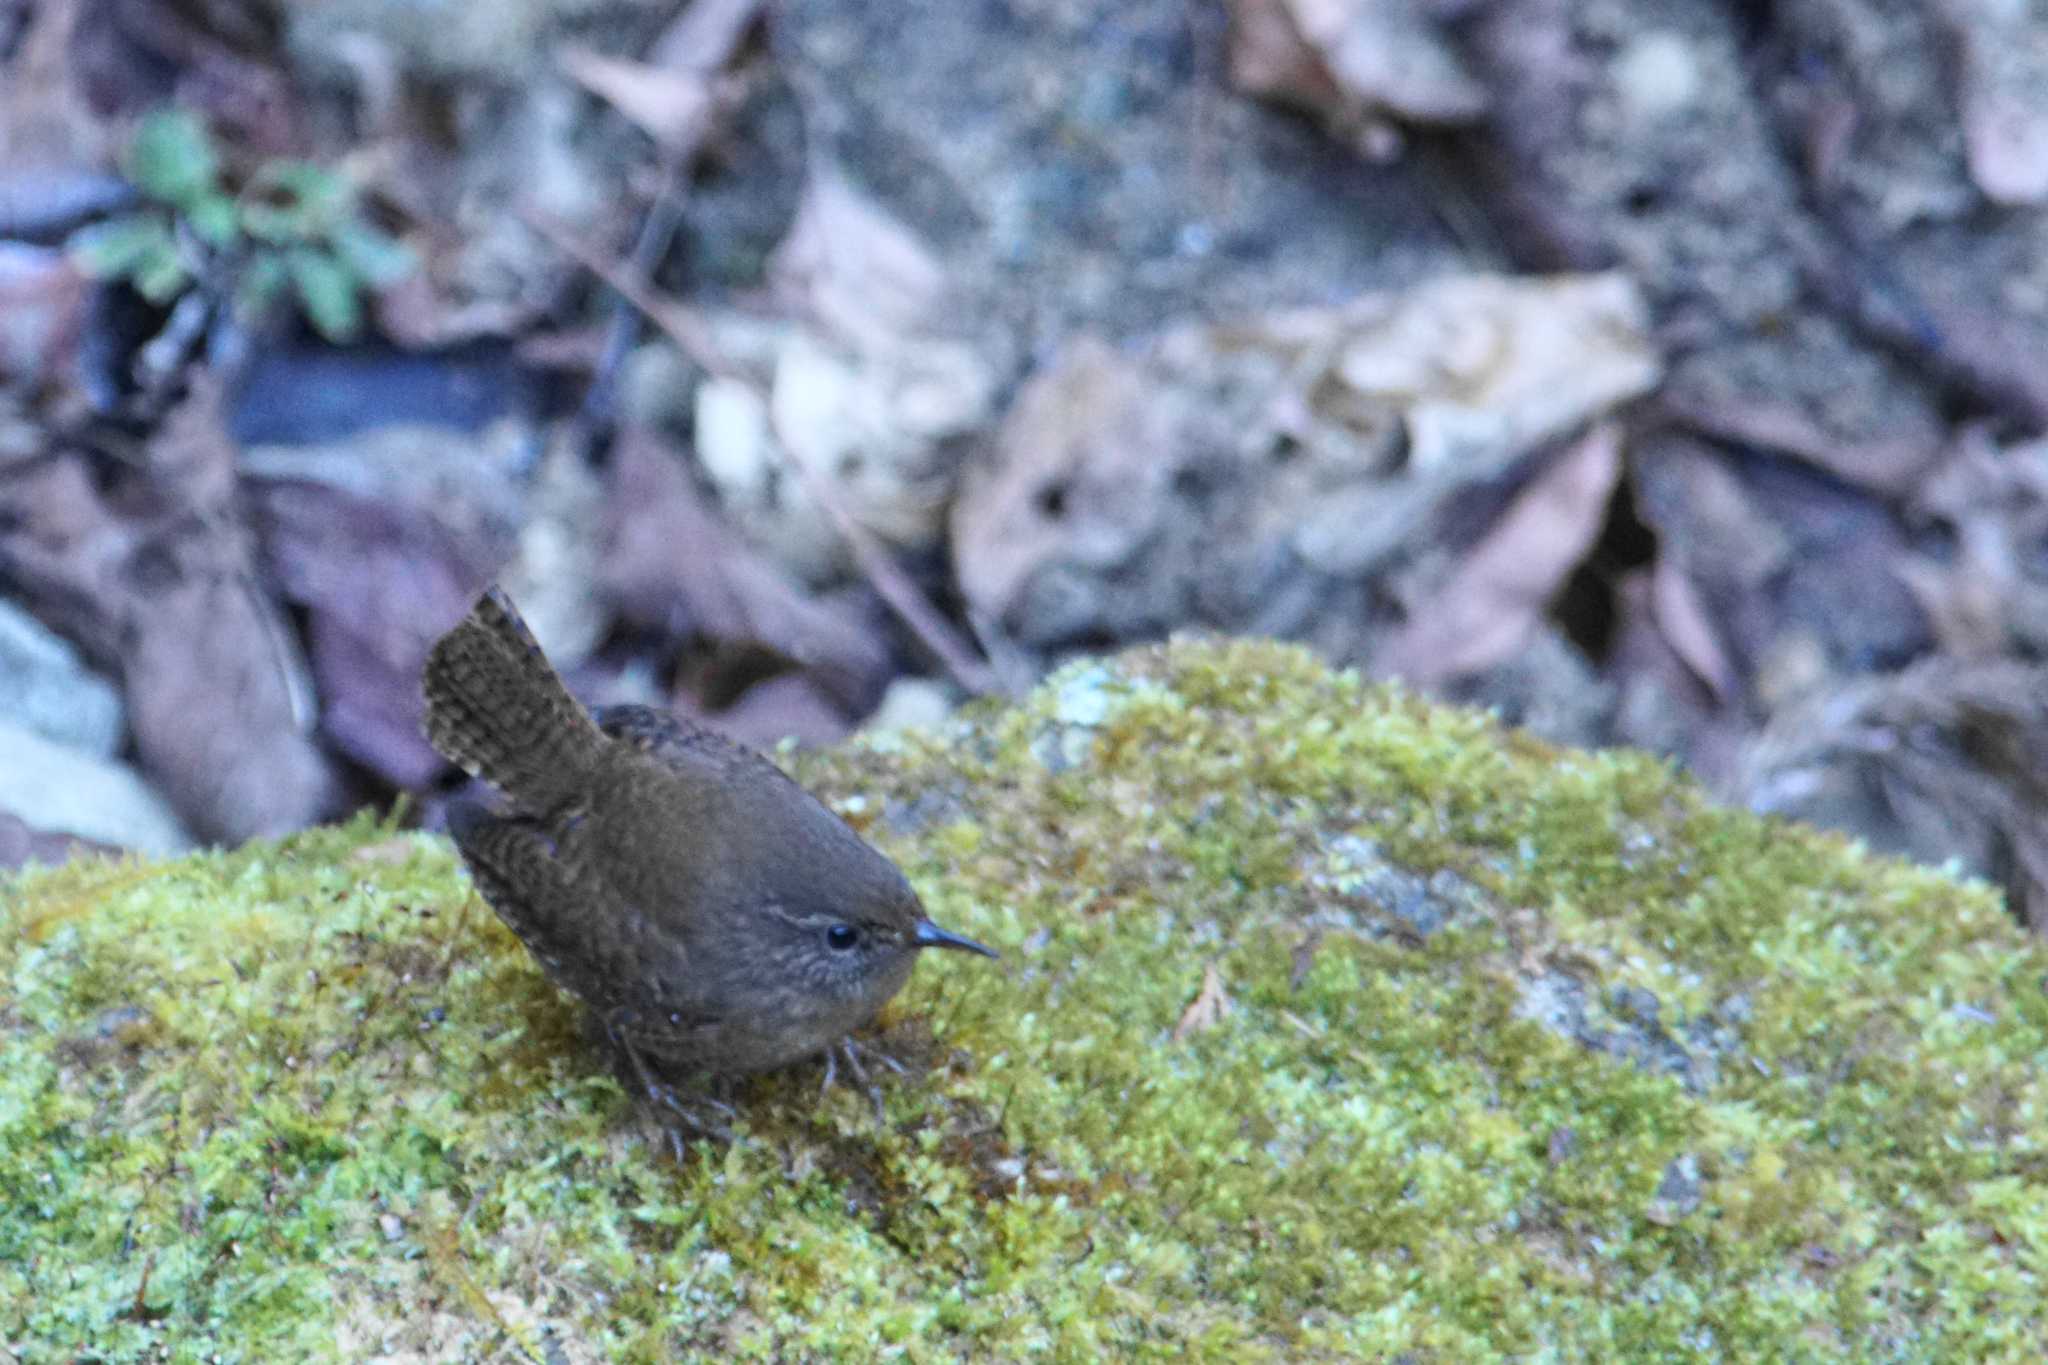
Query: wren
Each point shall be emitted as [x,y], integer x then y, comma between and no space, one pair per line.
[713,915]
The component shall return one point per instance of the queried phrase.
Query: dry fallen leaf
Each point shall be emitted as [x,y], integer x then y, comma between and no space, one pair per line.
[42,314]
[1705,400]
[22,843]
[1682,615]
[1497,597]
[705,35]
[1345,58]
[1304,957]
[673,107]
[1984,598]
[158,577]
[47,117]
[671,564]
[1209,1008]
[1077,472]
[859,389]
[786,706]
[379,579]
[853,266]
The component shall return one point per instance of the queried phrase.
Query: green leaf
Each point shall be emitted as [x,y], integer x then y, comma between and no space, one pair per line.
[329,291]
[115,248]
[213,219]
[140,248]
[295,201]
[160,275]
[377,258]
[172,159]
[275,223]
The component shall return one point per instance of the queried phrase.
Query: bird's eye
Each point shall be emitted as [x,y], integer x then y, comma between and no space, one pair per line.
[841,937]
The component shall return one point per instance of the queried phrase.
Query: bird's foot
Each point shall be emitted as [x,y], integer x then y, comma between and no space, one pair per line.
[853,1053]
[706,1115]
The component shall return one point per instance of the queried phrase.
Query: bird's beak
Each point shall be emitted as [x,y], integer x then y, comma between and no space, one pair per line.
[929,935]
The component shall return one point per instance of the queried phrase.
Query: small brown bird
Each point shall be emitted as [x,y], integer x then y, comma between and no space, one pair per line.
[711,912]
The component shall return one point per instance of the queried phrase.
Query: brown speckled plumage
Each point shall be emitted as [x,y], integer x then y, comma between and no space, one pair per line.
[710,911]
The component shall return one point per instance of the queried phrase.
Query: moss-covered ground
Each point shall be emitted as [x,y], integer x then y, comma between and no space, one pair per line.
[1330,1025]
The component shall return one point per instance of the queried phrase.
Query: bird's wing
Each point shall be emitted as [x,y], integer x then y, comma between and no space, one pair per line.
[677,743]
[571,917]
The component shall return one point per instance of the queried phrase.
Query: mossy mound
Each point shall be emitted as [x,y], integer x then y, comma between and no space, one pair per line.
[1330,1025]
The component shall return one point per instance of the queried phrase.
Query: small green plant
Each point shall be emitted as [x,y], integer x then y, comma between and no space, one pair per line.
[290,225]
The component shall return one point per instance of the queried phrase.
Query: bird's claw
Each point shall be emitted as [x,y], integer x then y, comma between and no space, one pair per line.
[853,1052]
[663,1097]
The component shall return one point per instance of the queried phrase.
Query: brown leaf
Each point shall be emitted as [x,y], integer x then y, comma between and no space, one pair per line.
[1246,475]
[46,117]
[1341,57]
[157,579]
[1665,705]
[705,35]
[42,314]
[214,700]
[1209,1008]
[674,107]
[1982,599]
[1497,597]
[380,580]
[1888,464]
[1682,616]
[1304,957]
[849,263]
[1077,471]
[671,564]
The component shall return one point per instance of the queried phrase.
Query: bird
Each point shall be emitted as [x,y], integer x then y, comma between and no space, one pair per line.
[712,914]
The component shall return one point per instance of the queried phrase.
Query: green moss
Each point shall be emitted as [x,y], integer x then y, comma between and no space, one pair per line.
[1525,1053]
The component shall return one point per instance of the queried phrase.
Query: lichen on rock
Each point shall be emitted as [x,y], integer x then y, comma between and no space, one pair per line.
[1331,1025]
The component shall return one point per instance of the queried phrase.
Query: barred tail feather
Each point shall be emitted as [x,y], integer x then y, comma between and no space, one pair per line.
[497,709]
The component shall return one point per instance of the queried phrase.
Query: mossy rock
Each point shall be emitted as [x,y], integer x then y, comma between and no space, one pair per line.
[1331,1025]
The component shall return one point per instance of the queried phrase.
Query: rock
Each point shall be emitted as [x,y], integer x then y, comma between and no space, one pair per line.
[912,704]
[55,789]
[1078,165]
[46,687]
[1528,1053]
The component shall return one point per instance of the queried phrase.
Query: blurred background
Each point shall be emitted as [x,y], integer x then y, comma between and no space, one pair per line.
[1669,373]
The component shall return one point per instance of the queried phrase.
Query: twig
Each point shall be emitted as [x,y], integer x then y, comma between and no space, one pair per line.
[664,216]
[698,43]
[688,331]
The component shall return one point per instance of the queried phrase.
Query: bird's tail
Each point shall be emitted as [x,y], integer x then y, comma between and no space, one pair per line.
[497,709]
